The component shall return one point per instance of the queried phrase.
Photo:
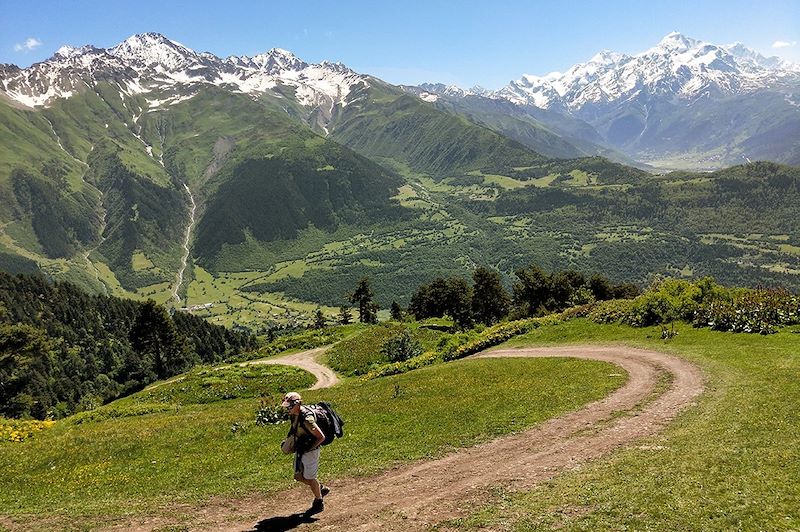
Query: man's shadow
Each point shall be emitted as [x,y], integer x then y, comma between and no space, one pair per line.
[284,522]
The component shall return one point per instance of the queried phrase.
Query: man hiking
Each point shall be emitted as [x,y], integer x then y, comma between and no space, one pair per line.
[308,438]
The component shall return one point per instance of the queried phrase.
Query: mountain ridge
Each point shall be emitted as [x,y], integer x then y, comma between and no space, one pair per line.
[659,105]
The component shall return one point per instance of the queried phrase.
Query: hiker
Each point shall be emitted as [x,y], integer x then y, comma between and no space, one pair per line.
[308,437]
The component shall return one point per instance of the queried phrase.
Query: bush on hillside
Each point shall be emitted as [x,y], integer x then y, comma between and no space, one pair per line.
[611,311]
[271,414]
[402,347]
[704,304]
[751,311]
[497,334]
[669,300]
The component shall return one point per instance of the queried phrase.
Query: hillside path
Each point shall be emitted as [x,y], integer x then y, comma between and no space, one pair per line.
[420,494]
[305,360]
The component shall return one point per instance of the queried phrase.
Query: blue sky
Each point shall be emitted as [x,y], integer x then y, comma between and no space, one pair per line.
[461,42]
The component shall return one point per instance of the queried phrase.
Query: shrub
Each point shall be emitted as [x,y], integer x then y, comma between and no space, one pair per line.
[611,311]
[750,311]
[271,414]
[669,300]
[492,336]
[448,345]
[425,359]
[402,347]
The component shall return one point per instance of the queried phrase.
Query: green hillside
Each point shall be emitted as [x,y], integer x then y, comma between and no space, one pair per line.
[730,462]
[390,124]
[63,351]
[738,225]
[317,184]
[197,454]
[287,219]
[549,133]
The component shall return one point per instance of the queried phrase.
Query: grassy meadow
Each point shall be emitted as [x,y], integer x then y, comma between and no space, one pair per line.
[104,467]
[732,462]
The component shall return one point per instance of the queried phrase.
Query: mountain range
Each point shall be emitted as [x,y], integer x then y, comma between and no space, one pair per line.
[666,105]
[150,170]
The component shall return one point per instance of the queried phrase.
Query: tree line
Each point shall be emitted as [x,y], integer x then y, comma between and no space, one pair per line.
[486,301]
[63,350]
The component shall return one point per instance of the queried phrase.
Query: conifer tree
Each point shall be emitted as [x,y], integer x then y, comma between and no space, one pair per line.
[345,316]
[367,308]
[319,319]
[396,311]
[155,338]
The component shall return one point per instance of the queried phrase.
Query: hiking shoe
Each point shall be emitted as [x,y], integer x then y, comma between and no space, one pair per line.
[325,490]
[316,507]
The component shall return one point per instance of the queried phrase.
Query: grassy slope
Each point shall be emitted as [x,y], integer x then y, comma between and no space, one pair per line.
[509,212]
[355,355]
[134,464]
[522,128]
[391,124]
[730,463]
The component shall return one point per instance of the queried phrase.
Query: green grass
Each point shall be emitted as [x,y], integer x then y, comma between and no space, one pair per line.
[91,472]
[359,353]
[730,463]
[211,384]
[303,340]
[141,262]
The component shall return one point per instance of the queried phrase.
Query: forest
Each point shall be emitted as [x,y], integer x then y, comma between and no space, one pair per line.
[64,351]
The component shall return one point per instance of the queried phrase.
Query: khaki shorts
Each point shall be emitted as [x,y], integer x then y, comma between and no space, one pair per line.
[307,464]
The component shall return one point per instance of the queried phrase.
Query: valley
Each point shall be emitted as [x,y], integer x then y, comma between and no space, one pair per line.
[262,177]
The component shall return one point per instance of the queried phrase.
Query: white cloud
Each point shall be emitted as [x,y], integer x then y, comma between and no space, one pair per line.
[784,44]
[31,43]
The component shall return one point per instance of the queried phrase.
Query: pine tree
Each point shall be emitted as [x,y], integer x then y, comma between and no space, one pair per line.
[345,316]
[319,319]
[24,363]
[155,338]
[367,308]
[396,311]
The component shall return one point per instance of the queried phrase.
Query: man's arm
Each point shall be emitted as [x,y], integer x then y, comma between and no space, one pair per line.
[315,431]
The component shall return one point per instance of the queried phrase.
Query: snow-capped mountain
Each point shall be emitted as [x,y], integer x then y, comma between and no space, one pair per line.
[430,92]
[150,62]
[678,66]
[665,105]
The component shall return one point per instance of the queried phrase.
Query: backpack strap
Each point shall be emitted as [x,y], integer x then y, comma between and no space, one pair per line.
[304,411]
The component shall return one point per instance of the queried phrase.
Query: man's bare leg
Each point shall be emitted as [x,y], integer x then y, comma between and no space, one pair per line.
[311,483]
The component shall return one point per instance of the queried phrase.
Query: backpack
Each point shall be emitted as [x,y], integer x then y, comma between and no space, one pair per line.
[328,421]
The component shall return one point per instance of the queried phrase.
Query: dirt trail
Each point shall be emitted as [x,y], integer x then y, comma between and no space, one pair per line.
[306,360]
[411,497]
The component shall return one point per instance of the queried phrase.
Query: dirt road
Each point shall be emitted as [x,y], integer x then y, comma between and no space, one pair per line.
[411,497]
[305,360]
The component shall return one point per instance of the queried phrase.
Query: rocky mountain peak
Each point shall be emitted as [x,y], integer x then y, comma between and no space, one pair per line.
[675,41]
[151,62]
[152,50]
